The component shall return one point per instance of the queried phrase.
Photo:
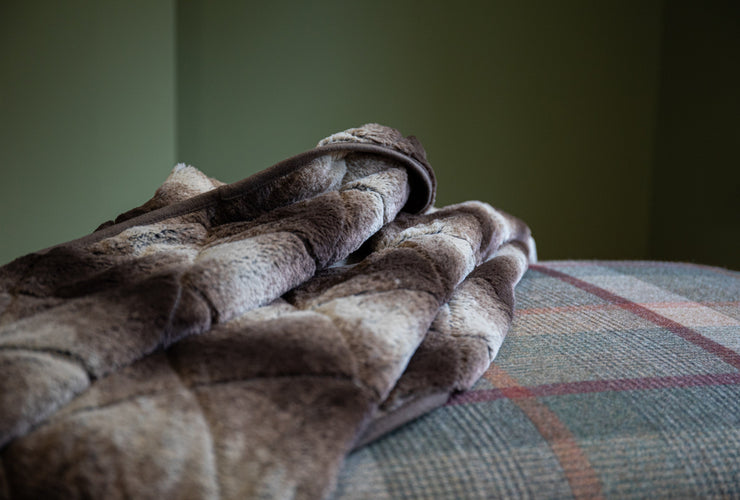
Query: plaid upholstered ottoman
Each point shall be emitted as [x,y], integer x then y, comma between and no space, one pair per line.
[617,380]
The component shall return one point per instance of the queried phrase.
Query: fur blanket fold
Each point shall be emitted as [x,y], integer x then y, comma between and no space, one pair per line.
[237,341]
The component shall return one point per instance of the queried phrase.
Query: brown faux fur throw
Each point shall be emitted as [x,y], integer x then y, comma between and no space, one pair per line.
[237,341]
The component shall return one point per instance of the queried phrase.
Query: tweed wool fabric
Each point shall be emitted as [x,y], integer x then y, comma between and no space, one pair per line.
[617,380]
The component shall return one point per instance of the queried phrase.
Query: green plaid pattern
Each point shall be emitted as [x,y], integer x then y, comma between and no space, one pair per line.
[617,380]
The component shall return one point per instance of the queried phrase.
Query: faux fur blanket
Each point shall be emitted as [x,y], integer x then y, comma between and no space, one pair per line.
[237,341]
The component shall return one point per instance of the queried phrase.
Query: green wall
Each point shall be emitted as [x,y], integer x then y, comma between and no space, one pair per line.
[86,114]
[696,195]
[569,114]
[545,109]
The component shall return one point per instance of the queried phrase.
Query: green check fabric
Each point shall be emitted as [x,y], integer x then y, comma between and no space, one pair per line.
[617,380]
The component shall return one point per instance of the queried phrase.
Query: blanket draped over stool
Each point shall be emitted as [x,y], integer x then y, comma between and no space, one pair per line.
[237,341]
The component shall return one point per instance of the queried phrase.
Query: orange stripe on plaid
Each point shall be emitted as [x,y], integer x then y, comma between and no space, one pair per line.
[578,470]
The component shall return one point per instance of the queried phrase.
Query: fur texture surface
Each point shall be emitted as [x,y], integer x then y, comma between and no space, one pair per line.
[242,343]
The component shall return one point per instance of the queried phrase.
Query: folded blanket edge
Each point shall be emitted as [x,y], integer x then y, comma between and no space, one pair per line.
[422,183]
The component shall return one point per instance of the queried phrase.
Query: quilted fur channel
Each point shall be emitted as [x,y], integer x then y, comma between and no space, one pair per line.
[236,341]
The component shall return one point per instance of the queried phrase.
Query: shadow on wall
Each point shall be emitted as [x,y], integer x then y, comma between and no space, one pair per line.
[578,116]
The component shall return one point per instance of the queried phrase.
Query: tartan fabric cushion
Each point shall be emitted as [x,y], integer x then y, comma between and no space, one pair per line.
[617,380]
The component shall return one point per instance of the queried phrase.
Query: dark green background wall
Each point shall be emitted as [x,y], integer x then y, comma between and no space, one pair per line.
[87,106]
[586,118]
[695,211]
